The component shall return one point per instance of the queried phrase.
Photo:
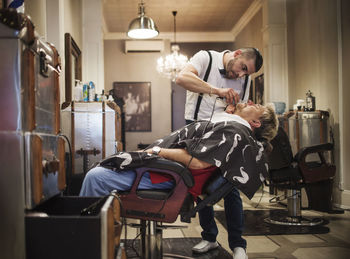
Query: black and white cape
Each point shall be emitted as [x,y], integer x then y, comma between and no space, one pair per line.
[228,145]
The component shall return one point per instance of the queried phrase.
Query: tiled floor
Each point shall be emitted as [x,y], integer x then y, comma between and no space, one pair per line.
[333,245]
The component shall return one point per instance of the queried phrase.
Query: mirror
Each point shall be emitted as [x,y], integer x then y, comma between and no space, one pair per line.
[72,65]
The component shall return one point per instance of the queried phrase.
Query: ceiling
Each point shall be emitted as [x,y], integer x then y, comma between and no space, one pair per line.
[202,16]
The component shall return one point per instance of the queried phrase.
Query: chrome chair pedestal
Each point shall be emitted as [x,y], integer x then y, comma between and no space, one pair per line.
[294,217]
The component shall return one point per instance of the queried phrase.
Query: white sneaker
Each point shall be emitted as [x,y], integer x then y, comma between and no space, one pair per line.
[204,246]
[239,253]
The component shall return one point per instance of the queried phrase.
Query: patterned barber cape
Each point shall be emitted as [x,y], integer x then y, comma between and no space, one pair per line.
[229,145]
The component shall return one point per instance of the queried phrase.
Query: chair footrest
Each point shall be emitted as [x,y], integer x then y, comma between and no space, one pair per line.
[135,225]
[171,226]
[294,221]
[336,211]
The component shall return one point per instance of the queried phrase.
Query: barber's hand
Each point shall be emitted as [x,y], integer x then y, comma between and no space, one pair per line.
[229,94]
[230,108]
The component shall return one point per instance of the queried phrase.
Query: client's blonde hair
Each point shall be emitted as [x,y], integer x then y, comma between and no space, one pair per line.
[269,124]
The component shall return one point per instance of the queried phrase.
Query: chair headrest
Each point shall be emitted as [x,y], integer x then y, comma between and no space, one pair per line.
[281,155]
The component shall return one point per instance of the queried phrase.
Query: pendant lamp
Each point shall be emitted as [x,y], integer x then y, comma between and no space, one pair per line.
[142,27]
[171,65]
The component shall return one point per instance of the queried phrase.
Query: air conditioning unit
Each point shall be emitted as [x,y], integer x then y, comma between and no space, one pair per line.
[132,46]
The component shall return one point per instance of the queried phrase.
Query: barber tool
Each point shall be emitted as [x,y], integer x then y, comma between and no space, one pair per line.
[224,100]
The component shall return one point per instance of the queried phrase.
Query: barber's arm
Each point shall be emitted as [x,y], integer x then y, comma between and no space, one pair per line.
[182,156]
[188,79]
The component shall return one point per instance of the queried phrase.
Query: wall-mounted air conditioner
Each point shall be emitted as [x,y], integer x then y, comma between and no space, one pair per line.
[132,46]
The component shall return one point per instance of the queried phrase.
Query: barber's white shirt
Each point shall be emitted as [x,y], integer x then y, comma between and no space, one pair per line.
[200,62]
[224,116]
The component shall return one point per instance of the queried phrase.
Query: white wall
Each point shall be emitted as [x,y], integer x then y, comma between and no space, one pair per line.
[36,9]
[52,19]
[140,67]
[314,64]
[73,20]
[251,36]
[92,46]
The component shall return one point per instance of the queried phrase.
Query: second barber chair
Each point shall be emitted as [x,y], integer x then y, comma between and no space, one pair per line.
[294,173]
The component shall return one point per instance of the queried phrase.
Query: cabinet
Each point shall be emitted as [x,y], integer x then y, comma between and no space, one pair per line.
[94,131]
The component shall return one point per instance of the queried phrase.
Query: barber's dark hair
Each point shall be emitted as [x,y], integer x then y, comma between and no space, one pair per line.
[253,53]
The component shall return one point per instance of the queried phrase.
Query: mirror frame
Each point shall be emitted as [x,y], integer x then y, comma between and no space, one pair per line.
[71,50]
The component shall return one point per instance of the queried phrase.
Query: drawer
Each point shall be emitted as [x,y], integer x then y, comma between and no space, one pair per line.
[73,227]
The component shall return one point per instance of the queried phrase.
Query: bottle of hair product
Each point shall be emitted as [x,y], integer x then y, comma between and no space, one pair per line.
[78,91]
[104,97]
[91,91]
[85,92]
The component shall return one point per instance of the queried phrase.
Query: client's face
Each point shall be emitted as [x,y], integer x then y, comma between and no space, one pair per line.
[248,111]
[232,108]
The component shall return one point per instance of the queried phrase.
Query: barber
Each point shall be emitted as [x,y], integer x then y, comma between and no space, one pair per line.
[208,75]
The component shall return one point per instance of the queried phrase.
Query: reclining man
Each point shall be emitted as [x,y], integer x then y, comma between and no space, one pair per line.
[229,142]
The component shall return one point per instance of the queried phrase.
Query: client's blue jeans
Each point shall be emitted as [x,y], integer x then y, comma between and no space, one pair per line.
[100,181]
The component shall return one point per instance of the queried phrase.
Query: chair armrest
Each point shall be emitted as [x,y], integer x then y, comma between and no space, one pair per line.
[303,152]
[314,172]
[156,164]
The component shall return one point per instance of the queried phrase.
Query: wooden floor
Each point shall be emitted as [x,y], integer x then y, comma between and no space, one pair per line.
[181,247]
[335,244]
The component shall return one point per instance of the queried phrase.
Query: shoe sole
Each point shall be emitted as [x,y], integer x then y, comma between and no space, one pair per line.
[199,252]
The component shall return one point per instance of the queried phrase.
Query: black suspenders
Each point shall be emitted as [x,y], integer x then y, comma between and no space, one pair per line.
[245,86]
[205,79]
[200,96]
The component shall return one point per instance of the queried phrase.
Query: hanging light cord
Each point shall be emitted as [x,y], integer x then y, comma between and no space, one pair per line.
[174,14]
[142,8]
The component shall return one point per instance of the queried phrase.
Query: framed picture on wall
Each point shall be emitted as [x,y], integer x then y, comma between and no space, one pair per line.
[251,91]
[136,99]
[259,89]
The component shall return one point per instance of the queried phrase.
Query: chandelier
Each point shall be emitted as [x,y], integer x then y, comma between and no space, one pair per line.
[170,65]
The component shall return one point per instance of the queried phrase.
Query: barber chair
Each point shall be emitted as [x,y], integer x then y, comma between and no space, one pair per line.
[155,207]
[291,174]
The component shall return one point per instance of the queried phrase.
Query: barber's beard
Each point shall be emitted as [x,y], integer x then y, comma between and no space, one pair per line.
[229,73]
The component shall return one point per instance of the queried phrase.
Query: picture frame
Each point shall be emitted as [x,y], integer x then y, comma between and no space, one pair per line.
[73,67]
[259,89]
[251,91]
[135,98]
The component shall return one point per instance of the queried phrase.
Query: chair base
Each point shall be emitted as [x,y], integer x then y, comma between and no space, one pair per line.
[294,221]
[151,235]
[293,217]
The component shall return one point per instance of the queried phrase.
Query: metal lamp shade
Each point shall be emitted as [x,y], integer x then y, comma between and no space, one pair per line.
[142,27]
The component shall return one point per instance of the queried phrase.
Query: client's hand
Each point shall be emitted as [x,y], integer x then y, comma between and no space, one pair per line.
[149,151]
